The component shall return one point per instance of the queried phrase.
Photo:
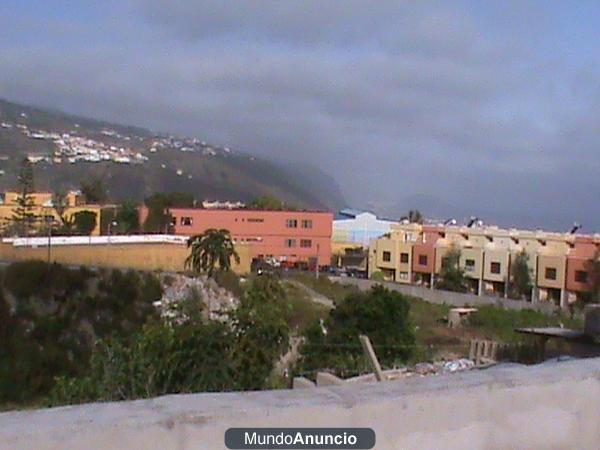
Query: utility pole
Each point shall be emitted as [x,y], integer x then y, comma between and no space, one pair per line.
[49,225]
[112,223]
[372,357]
[317,264]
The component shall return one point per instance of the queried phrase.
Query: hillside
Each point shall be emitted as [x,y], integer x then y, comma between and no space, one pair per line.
[135,162]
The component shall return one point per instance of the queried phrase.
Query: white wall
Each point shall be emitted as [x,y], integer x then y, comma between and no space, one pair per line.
[553,406]
[361,229]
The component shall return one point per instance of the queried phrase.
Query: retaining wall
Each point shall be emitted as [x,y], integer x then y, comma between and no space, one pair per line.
[550,406]
[167,256]
[449,298]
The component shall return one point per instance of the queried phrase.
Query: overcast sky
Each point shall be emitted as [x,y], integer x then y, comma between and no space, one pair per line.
[457,107]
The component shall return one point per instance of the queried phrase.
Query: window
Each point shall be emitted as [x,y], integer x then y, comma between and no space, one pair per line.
[445,261]
[495,267]
[581,276]
[291,223]
[290,243]
[550,273]
[387,256]
[404,258]
[307,223]
[469,265]
[305,243]
[186,221]
[422,260]
[253,219]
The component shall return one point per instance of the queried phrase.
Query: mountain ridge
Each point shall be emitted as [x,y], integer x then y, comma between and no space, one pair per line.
[135,162]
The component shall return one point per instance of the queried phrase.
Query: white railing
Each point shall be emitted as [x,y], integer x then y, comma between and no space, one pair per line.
[96,240]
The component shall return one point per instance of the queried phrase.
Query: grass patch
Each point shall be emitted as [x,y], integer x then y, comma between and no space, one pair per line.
[496,323]
[433,337]
[435,340]
[324,286]
[302,310]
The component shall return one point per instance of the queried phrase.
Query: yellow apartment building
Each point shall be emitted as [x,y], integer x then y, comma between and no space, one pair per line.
[43,209]
[392,253]
[557,261]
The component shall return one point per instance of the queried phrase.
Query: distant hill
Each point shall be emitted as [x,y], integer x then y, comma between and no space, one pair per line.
[150,162]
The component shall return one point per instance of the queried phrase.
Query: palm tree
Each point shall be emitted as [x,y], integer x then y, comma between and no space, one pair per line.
[211,249]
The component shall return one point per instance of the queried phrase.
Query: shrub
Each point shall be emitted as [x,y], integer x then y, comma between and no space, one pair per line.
[54,316]
[190,355]
[451,276]
[229,280]
[85,222]
[380,314]
[377,276]
[302,310]
[161,359]
[260,324]
[499,323]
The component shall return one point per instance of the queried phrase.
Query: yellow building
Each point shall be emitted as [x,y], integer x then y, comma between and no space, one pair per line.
[140,252]
[558,262]
[44,210]
[349,254]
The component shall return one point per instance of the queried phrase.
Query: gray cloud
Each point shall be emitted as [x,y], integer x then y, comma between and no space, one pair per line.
[395,99]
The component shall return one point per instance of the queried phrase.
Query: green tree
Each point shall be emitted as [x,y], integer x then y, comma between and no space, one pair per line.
[94,190]
[521,277]
[212,249]
[60,203]
[159,218]
[380,314]
[451,276]
[85,222]
[127,218]
[269,203]
[24,217]
[414,216]
[260,326]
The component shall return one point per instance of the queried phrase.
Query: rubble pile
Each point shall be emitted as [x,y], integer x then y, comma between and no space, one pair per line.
[185,295]
[420,369]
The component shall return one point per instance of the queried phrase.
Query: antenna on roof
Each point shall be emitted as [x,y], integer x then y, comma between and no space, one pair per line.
[472,221]
[576,227]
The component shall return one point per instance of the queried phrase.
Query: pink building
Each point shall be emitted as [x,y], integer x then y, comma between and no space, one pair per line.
[579,261]
[423,260]
[283,235]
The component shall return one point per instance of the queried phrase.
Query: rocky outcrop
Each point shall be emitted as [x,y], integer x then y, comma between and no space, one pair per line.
[185,295]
